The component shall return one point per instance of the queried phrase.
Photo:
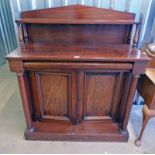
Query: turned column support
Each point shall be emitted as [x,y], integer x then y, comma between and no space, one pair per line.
[129,41]
[17,66]
[25,100]
[136,36]
[20,35]
[25,34]
[131,94]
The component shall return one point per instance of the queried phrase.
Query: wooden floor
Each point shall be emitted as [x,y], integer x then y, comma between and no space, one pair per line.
[12,126]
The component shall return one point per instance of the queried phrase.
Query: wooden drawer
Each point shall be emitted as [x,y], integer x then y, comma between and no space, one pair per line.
[76,65]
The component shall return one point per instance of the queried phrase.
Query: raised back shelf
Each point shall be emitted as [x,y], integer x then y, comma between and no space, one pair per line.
[77,25]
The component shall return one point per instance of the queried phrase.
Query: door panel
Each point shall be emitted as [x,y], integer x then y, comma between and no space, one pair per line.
[100,100]
[54,95]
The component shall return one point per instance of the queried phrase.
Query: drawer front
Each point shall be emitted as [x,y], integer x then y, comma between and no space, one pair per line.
[77,65]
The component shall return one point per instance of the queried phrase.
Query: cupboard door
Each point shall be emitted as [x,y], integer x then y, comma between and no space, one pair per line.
[55,95]
[102,95]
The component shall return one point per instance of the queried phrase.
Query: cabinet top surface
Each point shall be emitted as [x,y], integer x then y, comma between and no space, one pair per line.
[115,53]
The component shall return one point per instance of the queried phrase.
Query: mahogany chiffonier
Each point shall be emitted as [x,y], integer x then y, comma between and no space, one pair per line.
[77,72]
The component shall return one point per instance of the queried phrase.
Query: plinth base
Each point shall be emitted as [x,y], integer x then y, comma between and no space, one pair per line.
[87,131]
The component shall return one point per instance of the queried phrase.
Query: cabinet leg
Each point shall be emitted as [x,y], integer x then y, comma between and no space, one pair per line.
[147,115]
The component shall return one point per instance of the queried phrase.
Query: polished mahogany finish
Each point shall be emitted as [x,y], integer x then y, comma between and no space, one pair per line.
[77,72]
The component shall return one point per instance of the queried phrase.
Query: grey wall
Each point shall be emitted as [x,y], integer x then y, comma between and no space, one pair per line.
[8,40]
[122,5]
[149,35]
[139,7]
